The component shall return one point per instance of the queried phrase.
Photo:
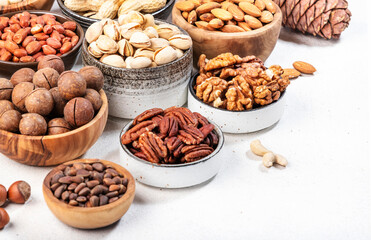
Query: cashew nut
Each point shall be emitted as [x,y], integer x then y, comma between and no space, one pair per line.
[257,148]
[269,159]
[281,160]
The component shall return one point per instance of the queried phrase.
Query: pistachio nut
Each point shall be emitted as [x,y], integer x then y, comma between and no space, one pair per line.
[164,55]
[157,43]
[144,52]
[94,31]
[179,53]
[121,19]
[140,62]
[125,48]
[150,21]
[113,60]
[128,61]
[132,17]
[107,44]
[181,41]
[167,31]
[140,40]
[111,30]
[153,64]
[94,50]
[129,29]
[151,32]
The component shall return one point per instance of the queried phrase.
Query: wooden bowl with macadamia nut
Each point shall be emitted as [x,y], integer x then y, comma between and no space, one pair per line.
[89,193]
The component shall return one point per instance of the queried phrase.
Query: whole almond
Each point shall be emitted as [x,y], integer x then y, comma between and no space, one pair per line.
[222,14]
[216,23]
[266,17]
[304,67]
[225,5]
[269,5]
[33,47]
[238,1]
[207,7]
[244,25]
[204,25]
[290,73]
[192,17]
[231,22]
[207,17]
[236,12]
[260,4]
[197,3]
[253,23]
[185,6]
[250,9]
[232,29]
[185,15]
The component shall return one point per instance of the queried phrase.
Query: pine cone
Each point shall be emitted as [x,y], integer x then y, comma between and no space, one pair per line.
[326,18]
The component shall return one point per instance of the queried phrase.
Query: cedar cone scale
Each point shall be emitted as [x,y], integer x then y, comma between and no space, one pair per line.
[326,18]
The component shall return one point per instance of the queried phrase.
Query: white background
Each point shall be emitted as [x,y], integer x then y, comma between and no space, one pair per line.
[324,193]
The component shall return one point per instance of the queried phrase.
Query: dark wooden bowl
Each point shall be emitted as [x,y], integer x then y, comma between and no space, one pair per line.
[85,22]
[259,42]
[8,68]
[27,5]
[54,149]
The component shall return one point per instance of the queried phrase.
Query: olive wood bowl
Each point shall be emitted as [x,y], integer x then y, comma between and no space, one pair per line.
[85,22]
[69,58]
[27,5]
[54,149]
[93,217]
[259,42]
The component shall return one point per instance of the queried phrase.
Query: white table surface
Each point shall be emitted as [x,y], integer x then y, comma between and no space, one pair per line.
[324,192]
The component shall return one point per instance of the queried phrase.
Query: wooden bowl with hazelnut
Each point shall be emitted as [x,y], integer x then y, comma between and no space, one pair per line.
[69,57]
[89,217]
[51,150]
[18,5]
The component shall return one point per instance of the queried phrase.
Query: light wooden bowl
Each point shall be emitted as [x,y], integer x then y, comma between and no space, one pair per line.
[27,5]
[95,217]
[259,42]
[54,149]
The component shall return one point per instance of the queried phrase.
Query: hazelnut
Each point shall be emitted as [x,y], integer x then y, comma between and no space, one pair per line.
[9,120]
[19,192]
[93,76]
[22,75]
[51,61]
[59,102]
[78,111]
[4,218]
[5,105]
[32,124]
[19,94]
[3,195]
[95,99]
[46,78]
[71,84]
[58,126]
[39,101]
[6,88]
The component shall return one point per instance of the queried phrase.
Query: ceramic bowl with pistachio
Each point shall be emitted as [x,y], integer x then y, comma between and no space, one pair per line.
[135,41]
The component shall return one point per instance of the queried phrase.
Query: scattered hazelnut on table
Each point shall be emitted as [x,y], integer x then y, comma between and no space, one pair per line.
[19,192]
[3,195]
[4,218]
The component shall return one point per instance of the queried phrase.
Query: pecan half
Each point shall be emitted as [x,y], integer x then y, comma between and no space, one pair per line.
[183,115]
[168,126]
[134,133]
[191,135]
[147,115]
[152,146]
[195,152]
[201,119]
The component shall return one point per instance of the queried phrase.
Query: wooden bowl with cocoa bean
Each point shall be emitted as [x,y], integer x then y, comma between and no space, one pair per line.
[25,41]
[26,5]
[243,34]
[89,193]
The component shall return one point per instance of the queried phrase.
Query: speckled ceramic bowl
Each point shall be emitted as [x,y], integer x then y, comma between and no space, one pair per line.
[85,22]
[132,91]
[237,121]
[173,175]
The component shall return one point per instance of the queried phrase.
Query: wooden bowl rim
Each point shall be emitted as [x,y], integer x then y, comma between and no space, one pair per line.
[219,147]
[15,6]
[127,195]
[277,19]
[99,115]
[79,31]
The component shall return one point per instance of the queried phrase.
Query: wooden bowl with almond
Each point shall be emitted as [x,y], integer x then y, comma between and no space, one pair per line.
[244,28]
[20,5]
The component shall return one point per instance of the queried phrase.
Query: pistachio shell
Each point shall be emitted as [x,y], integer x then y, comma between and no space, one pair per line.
[111,30]
[165,55]
[181,41]
[140,62]
[150,21]
[144,52]
[140,40]
[179,53]
[94,50]
[128,61]
[157,43]
[129,29]
[132,17]
[151,32]
[113,60]
[121,19]
[167,31]
[125,48]
[107,44]
[93,32]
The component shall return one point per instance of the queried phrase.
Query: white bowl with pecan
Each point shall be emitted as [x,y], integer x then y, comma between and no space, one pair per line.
[239,94]
[172,148]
